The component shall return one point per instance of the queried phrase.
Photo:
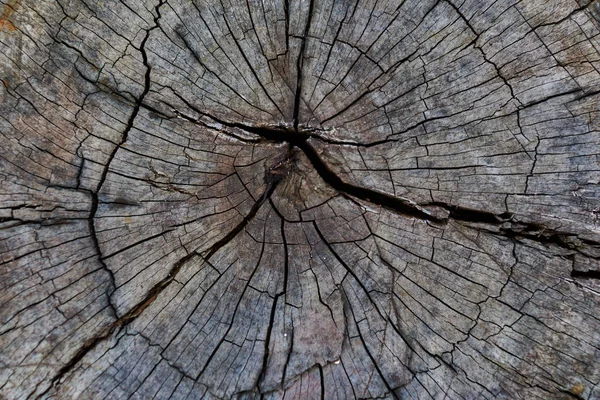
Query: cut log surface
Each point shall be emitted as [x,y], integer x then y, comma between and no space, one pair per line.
[300,199]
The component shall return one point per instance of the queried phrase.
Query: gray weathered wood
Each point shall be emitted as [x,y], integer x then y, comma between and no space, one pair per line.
[300,199]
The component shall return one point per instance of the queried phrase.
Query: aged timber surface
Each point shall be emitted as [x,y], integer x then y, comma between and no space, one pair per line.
[301,199]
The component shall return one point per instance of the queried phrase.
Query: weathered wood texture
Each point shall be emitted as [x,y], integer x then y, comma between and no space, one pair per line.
[300,199]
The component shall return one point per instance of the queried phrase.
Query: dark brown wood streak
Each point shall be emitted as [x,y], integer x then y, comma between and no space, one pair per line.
[234,199]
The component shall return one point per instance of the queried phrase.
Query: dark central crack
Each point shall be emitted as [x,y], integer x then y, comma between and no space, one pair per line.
[300,137]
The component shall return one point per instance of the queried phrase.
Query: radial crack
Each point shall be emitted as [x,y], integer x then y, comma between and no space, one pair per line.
[504,224]
[128,127]
[157,289]
[299,70]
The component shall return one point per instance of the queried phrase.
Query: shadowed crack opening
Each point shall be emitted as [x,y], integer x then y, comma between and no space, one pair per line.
[300,137]
[585,274]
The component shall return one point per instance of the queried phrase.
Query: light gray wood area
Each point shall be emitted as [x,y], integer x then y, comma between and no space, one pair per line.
[300,199]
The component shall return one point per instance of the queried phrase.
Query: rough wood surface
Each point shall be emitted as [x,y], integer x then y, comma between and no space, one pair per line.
[300,199]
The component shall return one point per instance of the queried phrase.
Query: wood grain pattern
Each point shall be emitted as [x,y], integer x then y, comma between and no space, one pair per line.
[300,199]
